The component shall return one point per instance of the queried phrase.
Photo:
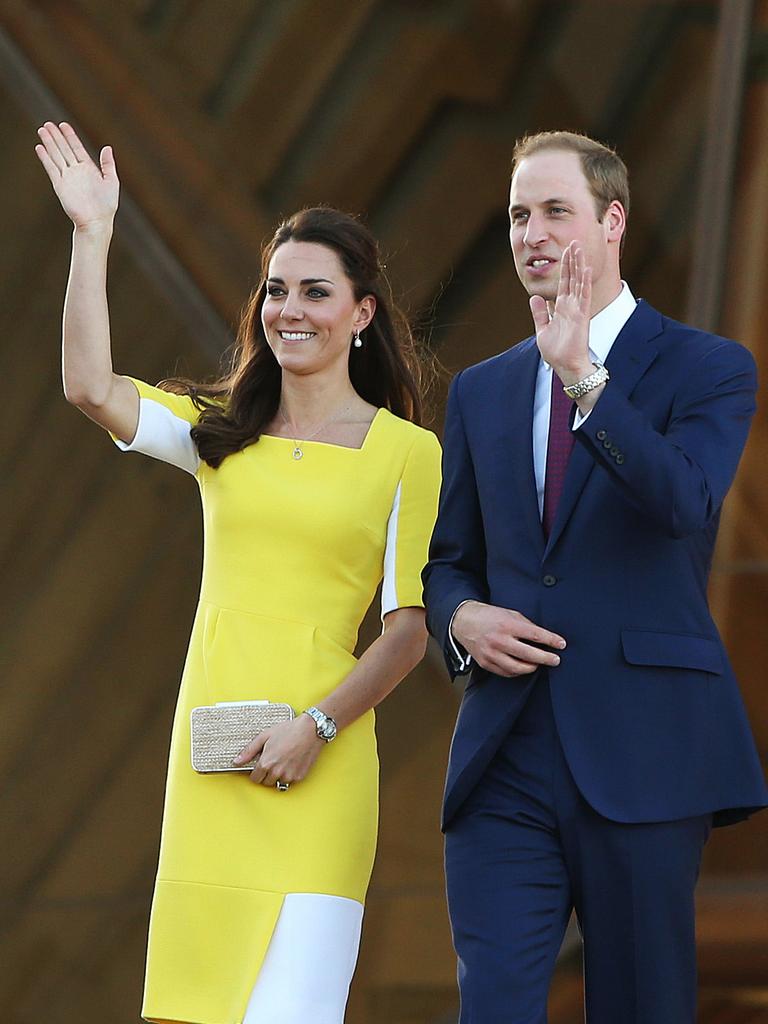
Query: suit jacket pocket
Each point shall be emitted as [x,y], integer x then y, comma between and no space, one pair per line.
[673,650]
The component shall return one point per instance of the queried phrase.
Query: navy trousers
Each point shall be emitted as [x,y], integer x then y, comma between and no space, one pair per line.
[525,849]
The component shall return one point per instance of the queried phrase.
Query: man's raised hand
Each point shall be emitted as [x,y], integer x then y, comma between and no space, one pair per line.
[563,338]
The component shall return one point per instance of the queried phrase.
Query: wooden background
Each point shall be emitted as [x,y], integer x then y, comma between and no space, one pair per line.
[225,116]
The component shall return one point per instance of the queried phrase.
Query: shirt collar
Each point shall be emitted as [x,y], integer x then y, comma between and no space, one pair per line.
[604,327]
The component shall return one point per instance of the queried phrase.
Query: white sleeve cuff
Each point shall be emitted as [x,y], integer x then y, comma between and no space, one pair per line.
[462,660]
[163,436]
[580,418]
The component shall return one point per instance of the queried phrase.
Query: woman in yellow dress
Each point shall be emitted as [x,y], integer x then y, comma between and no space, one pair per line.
[317,485]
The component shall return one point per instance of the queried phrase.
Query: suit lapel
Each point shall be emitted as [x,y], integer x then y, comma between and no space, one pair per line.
[630,356]
[519,386]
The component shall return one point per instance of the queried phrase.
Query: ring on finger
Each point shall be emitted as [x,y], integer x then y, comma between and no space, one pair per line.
[282,787]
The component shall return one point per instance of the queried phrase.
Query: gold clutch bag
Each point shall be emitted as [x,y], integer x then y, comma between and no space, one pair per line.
[221,731]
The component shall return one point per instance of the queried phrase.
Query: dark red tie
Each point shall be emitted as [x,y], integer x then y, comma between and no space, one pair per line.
[559,447]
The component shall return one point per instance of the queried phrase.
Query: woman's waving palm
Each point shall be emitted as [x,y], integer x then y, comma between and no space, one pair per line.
[87,192]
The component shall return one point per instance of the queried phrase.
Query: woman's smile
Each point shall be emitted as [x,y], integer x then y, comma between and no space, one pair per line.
[294,336]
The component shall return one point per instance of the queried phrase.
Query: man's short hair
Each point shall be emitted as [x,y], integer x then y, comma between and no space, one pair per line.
[605,171]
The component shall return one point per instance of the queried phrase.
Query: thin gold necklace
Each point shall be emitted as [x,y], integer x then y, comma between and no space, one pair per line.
[297,443]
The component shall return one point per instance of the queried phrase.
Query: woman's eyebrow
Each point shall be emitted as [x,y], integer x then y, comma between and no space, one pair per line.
[305,280]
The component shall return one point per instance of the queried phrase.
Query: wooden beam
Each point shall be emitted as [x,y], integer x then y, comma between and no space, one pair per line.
[23,82]
[705,289]
[169,155]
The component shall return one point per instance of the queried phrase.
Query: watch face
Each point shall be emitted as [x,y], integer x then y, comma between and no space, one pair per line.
[326,727]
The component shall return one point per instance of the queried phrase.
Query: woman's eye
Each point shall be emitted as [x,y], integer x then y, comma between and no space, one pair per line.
[273,289]
[316,293]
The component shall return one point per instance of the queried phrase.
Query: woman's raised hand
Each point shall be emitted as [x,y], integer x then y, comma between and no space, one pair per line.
[88,194]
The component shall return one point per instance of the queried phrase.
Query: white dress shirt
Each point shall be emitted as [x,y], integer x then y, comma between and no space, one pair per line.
[604,328]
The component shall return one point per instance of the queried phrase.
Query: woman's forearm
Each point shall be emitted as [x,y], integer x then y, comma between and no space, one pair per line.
[86,352]
[288,751]
[381,667]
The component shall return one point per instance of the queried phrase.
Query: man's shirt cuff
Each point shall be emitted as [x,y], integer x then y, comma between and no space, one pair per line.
[580,418]
[463,661]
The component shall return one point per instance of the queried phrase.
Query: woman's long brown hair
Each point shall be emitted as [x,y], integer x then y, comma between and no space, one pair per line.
[385,371]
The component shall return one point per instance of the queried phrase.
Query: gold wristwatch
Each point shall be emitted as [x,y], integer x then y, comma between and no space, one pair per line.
[586,384]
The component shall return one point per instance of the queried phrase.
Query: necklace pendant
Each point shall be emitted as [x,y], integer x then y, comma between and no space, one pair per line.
[298,453]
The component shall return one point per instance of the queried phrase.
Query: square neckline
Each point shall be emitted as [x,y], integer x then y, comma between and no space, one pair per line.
[330,444]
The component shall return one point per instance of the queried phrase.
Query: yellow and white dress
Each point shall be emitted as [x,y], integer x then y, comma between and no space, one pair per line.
[294,552]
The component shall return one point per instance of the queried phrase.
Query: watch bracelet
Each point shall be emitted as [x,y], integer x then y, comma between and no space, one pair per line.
[313,712]
[589,383]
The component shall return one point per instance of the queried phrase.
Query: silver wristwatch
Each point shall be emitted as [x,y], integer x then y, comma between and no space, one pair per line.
[325,725]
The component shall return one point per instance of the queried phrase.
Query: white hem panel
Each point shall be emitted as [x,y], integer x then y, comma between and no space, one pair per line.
[163,436]
[308,968]
[389,585]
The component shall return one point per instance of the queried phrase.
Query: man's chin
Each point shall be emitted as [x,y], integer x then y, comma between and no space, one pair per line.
[547,291]
[546,287]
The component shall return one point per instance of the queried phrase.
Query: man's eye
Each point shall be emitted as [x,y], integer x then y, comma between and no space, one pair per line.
[517,217]
[557,209]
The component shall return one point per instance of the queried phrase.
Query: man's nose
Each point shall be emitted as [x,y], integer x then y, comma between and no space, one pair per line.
[535,232]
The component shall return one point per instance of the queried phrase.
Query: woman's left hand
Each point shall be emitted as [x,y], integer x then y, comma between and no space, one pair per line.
[285,752]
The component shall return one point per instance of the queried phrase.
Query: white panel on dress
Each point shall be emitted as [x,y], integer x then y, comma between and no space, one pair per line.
[163,436]
[310,961]
[389,585]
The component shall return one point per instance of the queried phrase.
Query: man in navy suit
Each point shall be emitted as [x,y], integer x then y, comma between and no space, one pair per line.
[601,733]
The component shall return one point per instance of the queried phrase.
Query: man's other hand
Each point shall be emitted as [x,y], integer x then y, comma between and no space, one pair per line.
[504,641]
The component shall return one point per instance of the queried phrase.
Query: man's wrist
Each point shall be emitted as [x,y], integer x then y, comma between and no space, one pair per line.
[588,402]
[458,615]
[570,375]
[462,659]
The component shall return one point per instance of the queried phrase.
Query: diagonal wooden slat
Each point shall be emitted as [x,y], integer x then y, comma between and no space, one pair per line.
[197,205]
[404,64]
[203,323]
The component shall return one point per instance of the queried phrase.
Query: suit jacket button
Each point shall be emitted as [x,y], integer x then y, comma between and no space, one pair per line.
[549,580]
[600,435]
[607,442]
[619,458]
[614,451]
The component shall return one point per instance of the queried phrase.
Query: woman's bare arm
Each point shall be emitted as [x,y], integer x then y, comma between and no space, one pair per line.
[89,196]
[287,752]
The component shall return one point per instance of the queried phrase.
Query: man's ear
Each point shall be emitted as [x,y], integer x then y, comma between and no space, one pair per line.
[615,220]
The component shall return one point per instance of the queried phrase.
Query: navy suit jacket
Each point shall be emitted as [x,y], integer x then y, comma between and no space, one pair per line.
[647,708]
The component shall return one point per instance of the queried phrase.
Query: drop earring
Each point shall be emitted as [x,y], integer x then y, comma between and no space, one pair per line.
[357,340]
